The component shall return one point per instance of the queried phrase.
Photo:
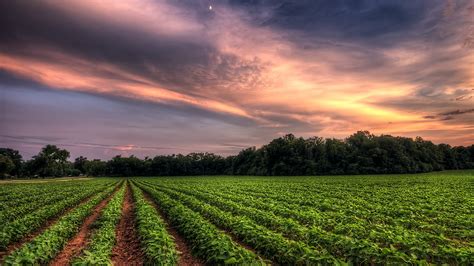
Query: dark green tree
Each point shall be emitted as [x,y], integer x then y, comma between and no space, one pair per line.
[79,164]
[16,159]
[6,166]
[95,168]
[51,161]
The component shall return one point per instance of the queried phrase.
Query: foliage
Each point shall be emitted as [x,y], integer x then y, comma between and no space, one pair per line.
[272,245]
[360,153]
[15,158]
[51,161]
[16,209]
[95,167]
[207,241]
[99,249]
[32,215]
[390,219]
[6,166]
[45,246]
[80,164]
[157,243]
[422,219]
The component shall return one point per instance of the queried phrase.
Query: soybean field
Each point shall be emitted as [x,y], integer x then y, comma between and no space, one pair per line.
[242,220]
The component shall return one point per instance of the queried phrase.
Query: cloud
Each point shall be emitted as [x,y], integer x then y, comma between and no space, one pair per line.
[166,65]
[254,68]
[358,20]
[451,115]
[458,112]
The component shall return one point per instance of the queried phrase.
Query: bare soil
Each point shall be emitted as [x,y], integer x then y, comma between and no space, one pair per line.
[79,241]
[127,251]
[14,246]
[185,258]
[228,233]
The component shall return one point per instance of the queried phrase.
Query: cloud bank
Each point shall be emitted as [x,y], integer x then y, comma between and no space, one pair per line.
[174,76]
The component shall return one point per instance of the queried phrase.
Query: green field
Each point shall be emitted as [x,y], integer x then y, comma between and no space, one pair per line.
[417,219]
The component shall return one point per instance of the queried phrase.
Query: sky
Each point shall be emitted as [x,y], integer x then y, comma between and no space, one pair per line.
[149,77]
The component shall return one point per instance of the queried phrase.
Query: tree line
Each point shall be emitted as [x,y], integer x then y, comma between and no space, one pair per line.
[360,153]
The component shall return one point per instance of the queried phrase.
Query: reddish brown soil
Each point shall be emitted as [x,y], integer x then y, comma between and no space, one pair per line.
[79,241]
[14,246]
[127,251]
[232,236]
[185,257]
[240,243]
[247,247]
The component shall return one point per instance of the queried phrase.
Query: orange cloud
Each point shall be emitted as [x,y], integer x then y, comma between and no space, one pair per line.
[333,88]
[80,75]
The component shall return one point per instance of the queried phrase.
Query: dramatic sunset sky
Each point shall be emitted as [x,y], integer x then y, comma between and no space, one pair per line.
[148,77]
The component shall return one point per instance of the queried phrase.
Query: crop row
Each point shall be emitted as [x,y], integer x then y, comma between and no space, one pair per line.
[99,249]
[416,244]
[24,194]
[412,211]
[403,245]
[158,245]
[271,245]
[45,246]
[42,201]
[16,229]
[207,242]
[352,250]
[20,191]
[336,207]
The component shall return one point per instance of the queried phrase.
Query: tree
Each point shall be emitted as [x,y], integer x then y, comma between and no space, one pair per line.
[360,153]
[79,164]
[16,159]
[6,166]
[95,168]
[51,161]
[125,166]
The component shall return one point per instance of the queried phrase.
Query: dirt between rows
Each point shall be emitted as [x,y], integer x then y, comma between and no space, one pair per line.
[127,251]
[50,222]
[228,233]
[185,258]
[79,241]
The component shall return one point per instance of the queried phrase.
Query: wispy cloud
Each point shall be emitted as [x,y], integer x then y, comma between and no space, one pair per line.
[458,112]
[259,68]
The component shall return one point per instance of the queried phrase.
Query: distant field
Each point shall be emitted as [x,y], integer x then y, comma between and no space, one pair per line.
[44,180]
[418,219]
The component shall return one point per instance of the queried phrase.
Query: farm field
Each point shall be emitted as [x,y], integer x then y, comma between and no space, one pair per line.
[380,219]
